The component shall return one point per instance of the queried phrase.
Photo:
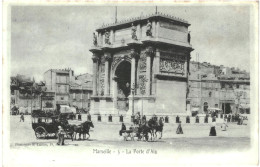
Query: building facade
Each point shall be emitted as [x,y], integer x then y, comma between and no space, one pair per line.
[27,95]
[69,89]
[220,87]
[141,65]
[58,81]
[81,91]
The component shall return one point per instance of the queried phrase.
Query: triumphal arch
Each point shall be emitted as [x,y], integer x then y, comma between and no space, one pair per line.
[141,65]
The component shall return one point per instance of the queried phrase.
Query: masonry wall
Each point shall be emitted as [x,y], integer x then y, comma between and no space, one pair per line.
[170,97]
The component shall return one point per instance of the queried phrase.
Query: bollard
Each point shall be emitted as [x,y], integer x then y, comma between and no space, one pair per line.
[166,119]
[121,118]
[206,120]
[197,119]
[177,119]
[99,118]
[187,119]
[110,118]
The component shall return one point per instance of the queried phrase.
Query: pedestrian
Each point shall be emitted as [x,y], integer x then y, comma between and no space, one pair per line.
[213,129]
[123,128]
[224,125]
[179,129]
[22,117]
[89,117]
[61,134]
[197,119]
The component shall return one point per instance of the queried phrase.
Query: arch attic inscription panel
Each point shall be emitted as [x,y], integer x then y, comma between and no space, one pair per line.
[144,61]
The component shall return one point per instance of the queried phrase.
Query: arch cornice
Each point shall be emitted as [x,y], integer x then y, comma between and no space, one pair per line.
[118,60]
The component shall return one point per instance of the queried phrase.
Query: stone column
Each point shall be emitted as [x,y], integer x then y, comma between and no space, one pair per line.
[133,55]
[156,63]
[138,31]
[95,61]
[157,29]
[111,36]
[154,29]
[106,82]
[149,54]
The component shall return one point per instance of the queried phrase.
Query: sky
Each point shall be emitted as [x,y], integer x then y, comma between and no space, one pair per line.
[45,37]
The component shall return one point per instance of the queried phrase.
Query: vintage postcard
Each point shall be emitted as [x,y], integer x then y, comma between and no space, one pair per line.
[137,83]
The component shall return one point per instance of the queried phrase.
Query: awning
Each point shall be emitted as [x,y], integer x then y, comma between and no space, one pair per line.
[214,109]
[195,109]
[67,109]
[244,106]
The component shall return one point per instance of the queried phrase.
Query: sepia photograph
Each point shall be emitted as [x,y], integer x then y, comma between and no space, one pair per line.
[91,83]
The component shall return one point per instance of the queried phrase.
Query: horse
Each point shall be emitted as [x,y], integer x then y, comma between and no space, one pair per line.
[143,132]
[69,129]
[83,128]
[152,124]
[159,128]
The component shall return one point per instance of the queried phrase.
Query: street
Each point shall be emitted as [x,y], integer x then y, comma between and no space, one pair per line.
[107,135]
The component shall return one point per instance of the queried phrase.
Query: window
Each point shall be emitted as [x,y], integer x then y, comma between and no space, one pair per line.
[216,105]
[62,98]
[210,93]
[237,86]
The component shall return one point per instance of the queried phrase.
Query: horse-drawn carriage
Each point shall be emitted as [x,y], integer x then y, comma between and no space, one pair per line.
[46,124]
[143,130]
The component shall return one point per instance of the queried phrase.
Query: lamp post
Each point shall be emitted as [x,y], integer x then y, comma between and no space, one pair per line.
[133,94]
[238,95]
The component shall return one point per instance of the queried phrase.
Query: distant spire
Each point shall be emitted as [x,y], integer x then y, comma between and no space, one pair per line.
[155,9]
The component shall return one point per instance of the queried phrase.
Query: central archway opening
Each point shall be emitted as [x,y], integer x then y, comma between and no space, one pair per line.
[123,79]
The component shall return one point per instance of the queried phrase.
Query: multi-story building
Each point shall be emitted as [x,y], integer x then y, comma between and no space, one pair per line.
[27,95]
[80,91]
[69,89]
[58,81]
[221,87]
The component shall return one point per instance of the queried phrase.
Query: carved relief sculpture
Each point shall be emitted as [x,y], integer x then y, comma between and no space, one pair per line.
[189,37]
[134,37]
[142,84]
[94,39]
[149,28]
[172,64]
[107,36]
[134,54]
[142,62]
[149,51]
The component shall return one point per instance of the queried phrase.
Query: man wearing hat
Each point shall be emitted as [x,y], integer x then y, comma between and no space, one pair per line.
[61,134]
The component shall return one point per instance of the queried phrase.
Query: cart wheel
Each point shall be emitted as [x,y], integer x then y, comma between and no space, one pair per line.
[40,133]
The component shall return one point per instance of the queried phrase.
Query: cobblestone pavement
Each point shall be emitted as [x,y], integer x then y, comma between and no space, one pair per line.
[196,137]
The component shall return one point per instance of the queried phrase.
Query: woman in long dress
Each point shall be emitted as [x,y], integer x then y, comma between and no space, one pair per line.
[179,129]
[213,129]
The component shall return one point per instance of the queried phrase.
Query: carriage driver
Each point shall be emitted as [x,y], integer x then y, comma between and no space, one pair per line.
[61,134]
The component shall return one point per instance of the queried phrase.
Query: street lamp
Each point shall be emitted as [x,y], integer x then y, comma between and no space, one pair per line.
[238,95]
[133,94]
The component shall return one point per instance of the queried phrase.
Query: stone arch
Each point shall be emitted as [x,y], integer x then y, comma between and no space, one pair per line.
[117,61]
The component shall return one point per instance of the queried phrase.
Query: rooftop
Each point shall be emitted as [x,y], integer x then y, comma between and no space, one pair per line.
[157,15]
